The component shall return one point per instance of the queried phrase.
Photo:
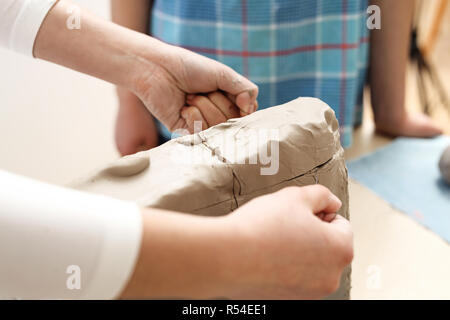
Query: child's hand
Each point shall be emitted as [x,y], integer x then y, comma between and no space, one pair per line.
[408,125]
[211,109]
[135,127]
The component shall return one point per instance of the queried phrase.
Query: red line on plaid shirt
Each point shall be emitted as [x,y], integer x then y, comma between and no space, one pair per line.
[245,53]
[342,101]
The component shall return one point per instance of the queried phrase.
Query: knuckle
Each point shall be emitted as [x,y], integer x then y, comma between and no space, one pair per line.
[347,254]
[255,89]
[343,248]
[225,72]
[314,191]
[191,112]
[329,283]
[322,190]
[187,113]
[292,191]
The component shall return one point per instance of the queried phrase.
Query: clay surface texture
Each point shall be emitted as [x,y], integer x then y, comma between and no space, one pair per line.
[215,171]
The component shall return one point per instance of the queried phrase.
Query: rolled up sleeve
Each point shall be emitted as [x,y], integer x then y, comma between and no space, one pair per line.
[20,21]
[59,243]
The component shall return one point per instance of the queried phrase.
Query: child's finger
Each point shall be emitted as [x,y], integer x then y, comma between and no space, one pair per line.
[194,118]
[210,112]
[225,105]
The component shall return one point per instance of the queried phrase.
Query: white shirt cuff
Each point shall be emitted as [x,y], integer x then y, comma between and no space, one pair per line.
[58,243]
[20,21]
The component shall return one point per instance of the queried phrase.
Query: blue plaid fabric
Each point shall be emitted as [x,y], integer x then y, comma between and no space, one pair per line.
[289,48]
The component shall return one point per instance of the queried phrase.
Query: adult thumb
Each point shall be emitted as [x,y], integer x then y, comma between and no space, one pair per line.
[244,91]
[320,199]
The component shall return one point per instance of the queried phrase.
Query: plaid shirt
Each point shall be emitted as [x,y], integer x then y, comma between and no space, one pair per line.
[289,48]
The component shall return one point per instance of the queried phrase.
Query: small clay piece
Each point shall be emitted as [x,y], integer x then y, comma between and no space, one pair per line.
[128,166]
[444,165]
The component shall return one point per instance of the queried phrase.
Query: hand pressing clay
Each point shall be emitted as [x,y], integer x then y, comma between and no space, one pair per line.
[215,171]
[444,165]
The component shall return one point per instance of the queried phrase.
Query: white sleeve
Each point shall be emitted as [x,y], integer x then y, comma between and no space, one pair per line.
[58,243]
[20,21]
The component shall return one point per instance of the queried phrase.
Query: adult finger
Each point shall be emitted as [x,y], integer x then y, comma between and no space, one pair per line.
[342,224]
[241,113]
[225,105]
[209,110]
[179,124]
[243,89]
[193,118]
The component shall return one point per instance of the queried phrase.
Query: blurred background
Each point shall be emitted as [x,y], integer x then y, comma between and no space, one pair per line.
[56,125]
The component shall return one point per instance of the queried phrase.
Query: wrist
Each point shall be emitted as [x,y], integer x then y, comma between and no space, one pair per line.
[231,254]
[239,263]
[385,113]
[149,57]
[223,252]
[185,256]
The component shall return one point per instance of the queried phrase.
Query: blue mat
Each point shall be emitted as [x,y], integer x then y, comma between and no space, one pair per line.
[406,175]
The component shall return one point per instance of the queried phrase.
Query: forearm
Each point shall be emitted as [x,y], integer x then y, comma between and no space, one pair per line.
[99,48]
[183,256]
[389,50]
[134,16]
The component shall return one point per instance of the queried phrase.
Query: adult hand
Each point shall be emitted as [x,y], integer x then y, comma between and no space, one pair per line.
[178,72]
[294,246]
[286,245]
[161,75]
[135,127]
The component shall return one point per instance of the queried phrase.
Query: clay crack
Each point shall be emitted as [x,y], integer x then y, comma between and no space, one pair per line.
[313,170]
[235,178]
[216,153]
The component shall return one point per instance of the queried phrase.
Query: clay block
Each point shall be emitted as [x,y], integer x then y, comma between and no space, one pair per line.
[217,170]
